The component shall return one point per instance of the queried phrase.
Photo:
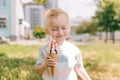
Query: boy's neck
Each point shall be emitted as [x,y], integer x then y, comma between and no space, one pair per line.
[60,43]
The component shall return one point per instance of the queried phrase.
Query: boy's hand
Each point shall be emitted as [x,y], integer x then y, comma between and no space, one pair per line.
[49,61]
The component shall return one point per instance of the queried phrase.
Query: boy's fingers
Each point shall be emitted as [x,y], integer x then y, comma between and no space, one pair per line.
[52,64]
[50,60]
[48,57]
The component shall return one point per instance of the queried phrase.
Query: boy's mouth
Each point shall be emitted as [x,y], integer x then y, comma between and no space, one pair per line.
[60,36]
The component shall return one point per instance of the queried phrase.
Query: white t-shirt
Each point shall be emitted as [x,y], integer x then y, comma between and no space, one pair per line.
[68,56]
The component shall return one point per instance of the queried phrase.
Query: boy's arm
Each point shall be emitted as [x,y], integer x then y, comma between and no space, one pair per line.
[41,68]
[82,73]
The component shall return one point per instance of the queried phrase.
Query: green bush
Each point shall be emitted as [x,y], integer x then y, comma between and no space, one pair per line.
[41,1]
[39,32]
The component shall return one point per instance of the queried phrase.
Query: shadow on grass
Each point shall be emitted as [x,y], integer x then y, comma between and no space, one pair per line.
[17,68]
[2,54]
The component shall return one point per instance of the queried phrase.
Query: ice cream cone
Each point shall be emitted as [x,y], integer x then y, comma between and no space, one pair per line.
[53,53]
[53,68]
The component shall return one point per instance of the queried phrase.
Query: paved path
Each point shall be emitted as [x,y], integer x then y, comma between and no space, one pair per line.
[28,42]
[37,42]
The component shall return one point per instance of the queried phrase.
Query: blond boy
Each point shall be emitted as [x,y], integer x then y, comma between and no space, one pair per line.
[69,64]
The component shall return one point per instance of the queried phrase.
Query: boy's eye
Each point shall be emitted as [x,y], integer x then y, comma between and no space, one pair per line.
[53,29]
[63,28]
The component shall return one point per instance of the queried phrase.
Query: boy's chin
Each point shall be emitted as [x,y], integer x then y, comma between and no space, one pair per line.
[60,41]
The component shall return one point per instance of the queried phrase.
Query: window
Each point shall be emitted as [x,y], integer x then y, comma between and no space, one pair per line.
[3,3]
[3,23]
[34,15]
[20,21]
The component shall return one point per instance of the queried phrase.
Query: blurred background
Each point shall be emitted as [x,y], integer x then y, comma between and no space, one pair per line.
[91,20]
[95,30]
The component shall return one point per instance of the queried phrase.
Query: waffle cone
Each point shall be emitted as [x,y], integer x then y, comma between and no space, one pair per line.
[53,68]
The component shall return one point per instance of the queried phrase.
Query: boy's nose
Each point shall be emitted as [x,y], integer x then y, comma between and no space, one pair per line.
[60,31]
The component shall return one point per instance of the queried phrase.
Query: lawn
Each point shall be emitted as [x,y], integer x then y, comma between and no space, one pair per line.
[101,61]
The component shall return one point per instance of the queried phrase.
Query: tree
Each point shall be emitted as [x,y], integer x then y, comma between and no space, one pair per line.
[86,27]
[107,17]
[39,32]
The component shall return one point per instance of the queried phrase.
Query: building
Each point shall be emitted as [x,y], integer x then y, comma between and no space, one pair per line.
[17,20]
[34,14]
[12,24]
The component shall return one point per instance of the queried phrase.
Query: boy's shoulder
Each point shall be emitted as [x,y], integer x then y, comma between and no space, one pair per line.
[44,47]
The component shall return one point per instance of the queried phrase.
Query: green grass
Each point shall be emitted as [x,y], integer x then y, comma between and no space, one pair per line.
[19,50]
[18,69]
[18,62]
[101,61]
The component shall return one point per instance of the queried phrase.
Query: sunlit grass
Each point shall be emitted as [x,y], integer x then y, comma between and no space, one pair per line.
[20,50]
[102,60]
[18,69]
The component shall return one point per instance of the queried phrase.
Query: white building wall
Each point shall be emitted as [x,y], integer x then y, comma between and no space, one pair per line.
[20,15]
[17,13]
[13,20]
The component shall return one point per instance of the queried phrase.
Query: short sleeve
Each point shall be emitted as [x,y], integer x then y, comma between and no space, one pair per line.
[40,58]
[79,61]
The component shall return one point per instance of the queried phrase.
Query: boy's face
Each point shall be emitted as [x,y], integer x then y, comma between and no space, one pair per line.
[58,28]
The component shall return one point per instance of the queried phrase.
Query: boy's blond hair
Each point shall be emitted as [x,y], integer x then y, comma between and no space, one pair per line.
[54,12]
